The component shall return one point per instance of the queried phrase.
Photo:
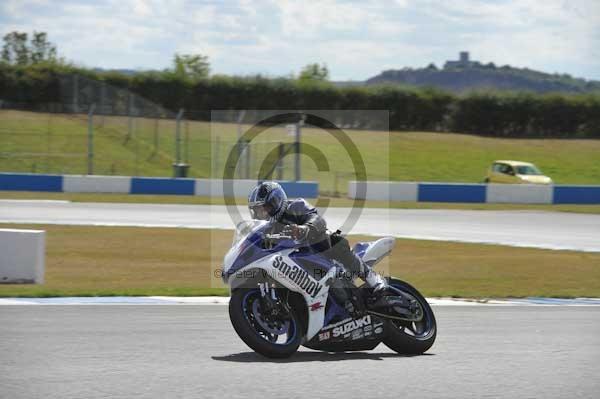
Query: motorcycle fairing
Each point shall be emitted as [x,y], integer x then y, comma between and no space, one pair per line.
[373,252]
[360,333]
[289,266]
[283,269]
[251,248]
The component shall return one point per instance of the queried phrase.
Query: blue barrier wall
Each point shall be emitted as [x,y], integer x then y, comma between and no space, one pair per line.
[30,182]
[434,192]
[138,185]
[150,185]
[300,189]
[576,195]
[427,192]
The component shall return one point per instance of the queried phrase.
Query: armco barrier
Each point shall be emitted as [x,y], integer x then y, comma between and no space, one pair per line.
[385,191]
[577,194]
[478,193]
[97,184]
[156,185]
[22,255]
[304,189]
[30,182]
[444,192]
[520,193]
[241,188]
[217,188]
[142,185]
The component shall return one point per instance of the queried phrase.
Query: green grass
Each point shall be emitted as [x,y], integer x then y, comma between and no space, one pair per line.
[334,202]
[91,261]
[37,142]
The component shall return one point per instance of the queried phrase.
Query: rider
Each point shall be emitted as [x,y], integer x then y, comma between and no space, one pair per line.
[268,201]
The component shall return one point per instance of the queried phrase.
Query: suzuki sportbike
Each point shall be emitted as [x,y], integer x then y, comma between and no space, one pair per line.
[284,295]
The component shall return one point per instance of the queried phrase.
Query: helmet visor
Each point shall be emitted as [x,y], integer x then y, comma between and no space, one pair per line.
[260,210]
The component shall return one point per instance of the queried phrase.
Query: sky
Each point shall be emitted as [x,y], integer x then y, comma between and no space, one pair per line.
[355,39]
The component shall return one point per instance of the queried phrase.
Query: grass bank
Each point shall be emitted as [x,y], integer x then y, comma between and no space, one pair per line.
[37,142]
[93,261]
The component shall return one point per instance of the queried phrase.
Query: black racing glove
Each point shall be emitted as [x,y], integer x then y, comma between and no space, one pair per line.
[297,232]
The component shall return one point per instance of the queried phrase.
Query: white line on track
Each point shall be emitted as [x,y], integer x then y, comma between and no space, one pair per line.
[212,300]
[35,201]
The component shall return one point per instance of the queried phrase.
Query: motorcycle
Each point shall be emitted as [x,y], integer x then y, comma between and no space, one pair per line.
[284,295]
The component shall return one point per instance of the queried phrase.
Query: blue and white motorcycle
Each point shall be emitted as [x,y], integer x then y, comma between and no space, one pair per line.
[284,296]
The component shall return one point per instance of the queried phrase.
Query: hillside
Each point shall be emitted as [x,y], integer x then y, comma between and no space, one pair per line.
[464,75]
[57,143]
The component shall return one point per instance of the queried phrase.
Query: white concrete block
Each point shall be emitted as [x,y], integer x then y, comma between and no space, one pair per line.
[520,193]
[386,191]
[96,184]
[22,256]
[216,188]
[404,191]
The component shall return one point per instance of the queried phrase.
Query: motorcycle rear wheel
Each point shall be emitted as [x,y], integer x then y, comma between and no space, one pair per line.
[246,315]
[410,338]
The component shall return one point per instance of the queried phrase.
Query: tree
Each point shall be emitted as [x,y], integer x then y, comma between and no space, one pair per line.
[191,67]
[314,72]
[41,50]
[16,50]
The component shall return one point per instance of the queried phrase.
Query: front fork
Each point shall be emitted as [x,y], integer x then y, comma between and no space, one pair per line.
[271,301]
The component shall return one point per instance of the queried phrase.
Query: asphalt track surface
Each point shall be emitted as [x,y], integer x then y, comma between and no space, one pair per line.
[187,351]
[536,229]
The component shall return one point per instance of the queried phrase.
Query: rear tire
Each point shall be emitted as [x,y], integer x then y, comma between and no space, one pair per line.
[411,338]
[238,314]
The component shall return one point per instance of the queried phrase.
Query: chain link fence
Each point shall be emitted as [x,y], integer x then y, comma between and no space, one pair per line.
[103,130]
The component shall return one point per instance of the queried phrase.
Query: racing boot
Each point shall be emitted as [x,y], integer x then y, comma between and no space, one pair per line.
[373,297]
[378,301]
[374,280]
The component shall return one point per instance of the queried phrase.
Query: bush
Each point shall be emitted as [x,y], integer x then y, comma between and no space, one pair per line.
[483,113]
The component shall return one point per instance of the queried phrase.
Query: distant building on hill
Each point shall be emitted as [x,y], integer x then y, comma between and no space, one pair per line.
[463,62]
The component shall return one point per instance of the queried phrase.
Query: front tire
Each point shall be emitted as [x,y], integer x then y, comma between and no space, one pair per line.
[246,316]
[411,338]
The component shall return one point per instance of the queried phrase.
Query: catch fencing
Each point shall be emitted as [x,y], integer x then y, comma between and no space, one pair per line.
[99,129]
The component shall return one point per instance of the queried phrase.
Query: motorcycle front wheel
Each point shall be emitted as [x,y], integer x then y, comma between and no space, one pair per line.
[271,334]
[406,337]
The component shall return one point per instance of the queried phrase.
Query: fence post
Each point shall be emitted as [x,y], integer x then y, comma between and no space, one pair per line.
[298,175]
[178,136]
[280,162]
[137,151]
[248,149]
[240,146]
[48,141]
[103,102]
[186,143]
[155,137]
[75,93]
[90,155]
[217,149]
[130,119]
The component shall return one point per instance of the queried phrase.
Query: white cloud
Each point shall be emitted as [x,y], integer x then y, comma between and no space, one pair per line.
[357,39]
[307,20]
